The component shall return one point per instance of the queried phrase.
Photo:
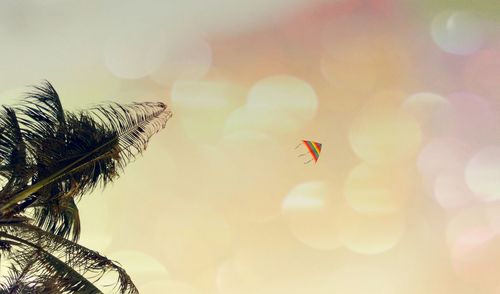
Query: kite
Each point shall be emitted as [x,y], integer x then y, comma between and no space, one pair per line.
[313,149]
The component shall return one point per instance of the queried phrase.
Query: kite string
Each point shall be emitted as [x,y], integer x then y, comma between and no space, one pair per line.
[314,149]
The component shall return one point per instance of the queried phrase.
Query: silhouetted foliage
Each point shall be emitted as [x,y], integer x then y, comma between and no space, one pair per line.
[49,158]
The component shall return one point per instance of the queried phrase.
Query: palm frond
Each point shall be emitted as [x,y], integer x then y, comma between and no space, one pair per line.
[59,216]
[60,259]
[34,270]
[75,153]
[49,158]
[13,156]
[43,110]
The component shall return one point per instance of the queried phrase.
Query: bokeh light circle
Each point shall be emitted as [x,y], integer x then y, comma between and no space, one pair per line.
[205,106]
[311,214]
[189,61]
[375,189]
[481,72]
[369,234]
[260,119]
[432,111]
[458,32]
[474,254]
[228,280]
[291,94]
[450,189]
[464,221]
[383,133]
[481,123]
[135,54]
[482,173]
[442,154]
[473,245]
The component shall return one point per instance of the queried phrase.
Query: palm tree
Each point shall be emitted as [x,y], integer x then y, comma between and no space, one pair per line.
[49,158]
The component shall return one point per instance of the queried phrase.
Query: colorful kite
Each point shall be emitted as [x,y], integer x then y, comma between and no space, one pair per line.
[313,148]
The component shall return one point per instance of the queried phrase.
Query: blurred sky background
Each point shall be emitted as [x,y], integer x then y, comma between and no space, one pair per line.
[403,95]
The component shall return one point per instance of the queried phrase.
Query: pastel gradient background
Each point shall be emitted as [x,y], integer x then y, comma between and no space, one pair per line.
[403,95]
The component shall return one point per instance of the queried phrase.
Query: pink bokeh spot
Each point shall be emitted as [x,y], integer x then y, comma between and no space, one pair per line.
[441,154]
[474,120]
[481,73]
[472,240]
[450,190]
[475,253]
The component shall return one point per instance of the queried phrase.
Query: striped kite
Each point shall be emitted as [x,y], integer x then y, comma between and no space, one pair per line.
[313,149]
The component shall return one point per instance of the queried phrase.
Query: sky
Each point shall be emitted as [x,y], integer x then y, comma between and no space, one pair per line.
[404,97]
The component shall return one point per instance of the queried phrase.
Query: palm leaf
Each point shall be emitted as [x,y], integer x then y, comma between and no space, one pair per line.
[75,153]
[57,261]
[13,156]
[50,158]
